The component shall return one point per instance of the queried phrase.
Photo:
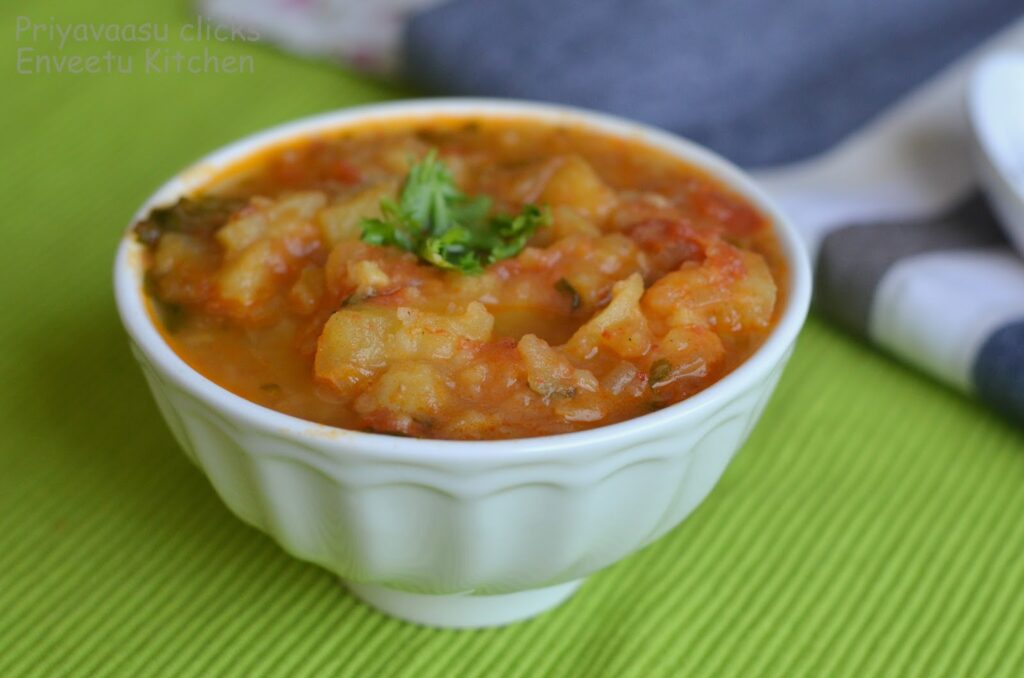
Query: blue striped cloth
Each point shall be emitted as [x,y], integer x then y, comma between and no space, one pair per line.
[851,112]
[908,253]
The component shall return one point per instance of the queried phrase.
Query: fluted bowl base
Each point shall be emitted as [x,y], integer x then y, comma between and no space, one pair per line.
[463,611]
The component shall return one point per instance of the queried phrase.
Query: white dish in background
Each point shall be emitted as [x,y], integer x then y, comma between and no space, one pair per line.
[461,533]
[996,104]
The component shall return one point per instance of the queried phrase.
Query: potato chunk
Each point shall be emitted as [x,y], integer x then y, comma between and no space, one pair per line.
[359,342]
[339,222]
[730,291]
[287,218]
[182,265]
[619,326]
[686,354]
[245,229]
[353,346]
[432,336]
[575,184]
[261,245]
[367,277]
[573,393]
[414,390]
[754,294]
[308,291]
[250,277]
[549,373]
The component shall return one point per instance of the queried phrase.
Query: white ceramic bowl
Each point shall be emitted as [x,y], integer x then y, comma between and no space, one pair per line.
[460,533]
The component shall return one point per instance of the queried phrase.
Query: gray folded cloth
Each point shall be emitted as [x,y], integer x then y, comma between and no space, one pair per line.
[760,82]
[763,83]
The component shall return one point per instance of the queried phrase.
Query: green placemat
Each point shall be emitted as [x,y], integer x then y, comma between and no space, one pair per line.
[873,524]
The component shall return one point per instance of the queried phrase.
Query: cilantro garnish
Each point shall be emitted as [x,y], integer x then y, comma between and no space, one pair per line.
[447,228]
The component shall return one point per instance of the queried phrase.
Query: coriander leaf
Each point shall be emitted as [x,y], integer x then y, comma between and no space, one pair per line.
[447,228]
[470,210]
[425,194]
[452,250]
[513,232]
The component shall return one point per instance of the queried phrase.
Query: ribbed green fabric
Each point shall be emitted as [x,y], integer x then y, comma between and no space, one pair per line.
[873,525]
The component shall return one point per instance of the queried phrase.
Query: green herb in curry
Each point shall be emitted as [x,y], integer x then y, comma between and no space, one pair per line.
[566,288]
[660,371]
[447,228]
[196,216]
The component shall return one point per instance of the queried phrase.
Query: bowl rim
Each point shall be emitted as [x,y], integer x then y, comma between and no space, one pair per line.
[132,305]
